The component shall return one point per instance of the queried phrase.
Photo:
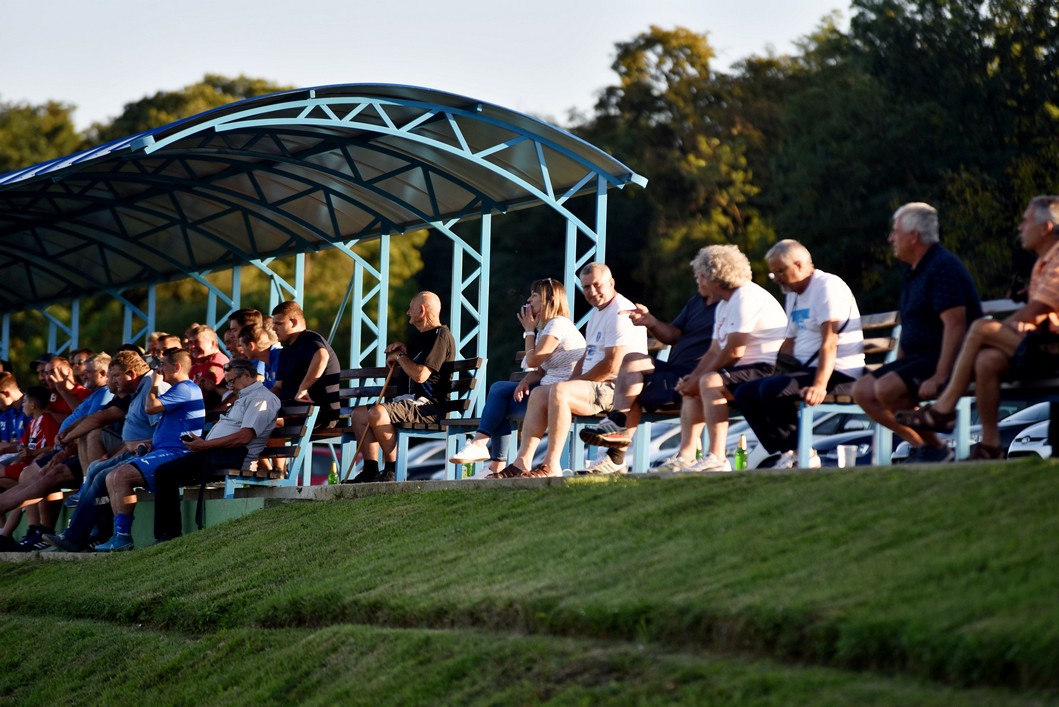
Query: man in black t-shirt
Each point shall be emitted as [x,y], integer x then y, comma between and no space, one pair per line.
[308,366]
[418,379]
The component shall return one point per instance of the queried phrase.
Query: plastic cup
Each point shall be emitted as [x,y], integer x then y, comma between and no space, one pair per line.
[847,455]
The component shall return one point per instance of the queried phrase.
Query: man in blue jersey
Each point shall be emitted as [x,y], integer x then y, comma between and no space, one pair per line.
[183,413]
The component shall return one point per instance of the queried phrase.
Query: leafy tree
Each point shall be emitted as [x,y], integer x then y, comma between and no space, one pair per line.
[32,134]
[665,118]
[166,107]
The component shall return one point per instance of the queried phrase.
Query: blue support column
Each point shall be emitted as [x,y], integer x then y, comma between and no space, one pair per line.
[70,331]
[129,332]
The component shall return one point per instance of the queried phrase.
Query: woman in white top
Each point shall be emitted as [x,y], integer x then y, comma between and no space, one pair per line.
[553,348]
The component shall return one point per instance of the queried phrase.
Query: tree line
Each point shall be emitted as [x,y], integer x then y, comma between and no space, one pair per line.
[952,102]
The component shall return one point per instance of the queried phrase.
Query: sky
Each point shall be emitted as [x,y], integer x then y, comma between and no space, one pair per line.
[543,57]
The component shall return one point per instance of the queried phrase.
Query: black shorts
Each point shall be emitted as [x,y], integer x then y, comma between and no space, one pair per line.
[912,370]
[737,375]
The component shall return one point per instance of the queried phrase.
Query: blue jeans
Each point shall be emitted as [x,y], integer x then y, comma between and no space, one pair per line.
[500,409]
[88,514]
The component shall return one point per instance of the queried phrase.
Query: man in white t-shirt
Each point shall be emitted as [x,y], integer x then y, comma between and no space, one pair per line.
[749,325]
[610,335]
[824,335]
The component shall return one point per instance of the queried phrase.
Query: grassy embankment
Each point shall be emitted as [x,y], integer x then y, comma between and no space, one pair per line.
[929,586]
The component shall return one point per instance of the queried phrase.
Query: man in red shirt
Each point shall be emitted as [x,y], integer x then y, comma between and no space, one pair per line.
[67,392]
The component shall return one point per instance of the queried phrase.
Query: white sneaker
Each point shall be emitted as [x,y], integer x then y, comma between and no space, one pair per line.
[673,464]
[471,453]
[789,460]
[603,465]
[710,462]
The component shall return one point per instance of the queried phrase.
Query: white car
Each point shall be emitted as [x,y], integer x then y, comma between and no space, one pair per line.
[1032,441]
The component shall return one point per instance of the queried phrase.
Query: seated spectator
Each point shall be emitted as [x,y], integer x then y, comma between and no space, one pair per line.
[418,368]
[41,516]
[590,388]
[207,371]
[824,336]
[130,381]
[66,389]
[646,384]
[12,418]
[308,367]
[938,302]
[235,442]
[237,321]
[37,439]
[78,359]
[996,350]
[553,348]
[182,412]
[748,331]
[263,348]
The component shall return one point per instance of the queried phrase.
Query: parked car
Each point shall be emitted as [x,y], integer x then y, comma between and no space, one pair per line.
[1032,441]
[1010,426]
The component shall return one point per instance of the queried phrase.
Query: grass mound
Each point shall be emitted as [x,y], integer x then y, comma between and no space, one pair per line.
[945,574]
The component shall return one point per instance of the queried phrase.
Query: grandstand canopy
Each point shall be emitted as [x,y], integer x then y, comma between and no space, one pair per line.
[276,175]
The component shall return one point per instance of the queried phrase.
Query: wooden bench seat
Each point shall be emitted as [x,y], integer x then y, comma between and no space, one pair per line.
[363,386]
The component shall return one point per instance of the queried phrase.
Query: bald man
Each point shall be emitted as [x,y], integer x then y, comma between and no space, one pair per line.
[417,377]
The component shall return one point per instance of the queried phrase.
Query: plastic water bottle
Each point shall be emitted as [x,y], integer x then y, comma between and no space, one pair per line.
[332,478]
[740,454]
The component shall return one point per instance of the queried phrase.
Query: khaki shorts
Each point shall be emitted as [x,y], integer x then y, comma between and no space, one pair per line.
[602,396]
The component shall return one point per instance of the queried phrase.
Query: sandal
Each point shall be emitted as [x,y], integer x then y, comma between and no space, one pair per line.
[540,470]
[985,452]
[508,472]
[927,419]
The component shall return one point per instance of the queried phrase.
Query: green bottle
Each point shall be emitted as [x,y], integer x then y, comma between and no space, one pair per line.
[332,478]
[740,454]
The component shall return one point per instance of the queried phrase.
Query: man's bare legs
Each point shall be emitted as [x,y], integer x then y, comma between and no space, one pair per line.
[984,334]
[566,399]
[880,397]
[714,398]
[989,369]
[629,385]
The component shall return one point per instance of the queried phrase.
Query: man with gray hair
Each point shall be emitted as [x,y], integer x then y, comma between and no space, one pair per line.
[748,330]
[938,303]
[824,335]
[994,350]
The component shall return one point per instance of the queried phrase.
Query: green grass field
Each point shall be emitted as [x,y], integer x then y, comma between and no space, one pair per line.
[894,586]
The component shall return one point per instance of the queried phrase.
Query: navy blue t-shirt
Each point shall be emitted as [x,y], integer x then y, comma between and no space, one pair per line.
[937,283]
[695,322]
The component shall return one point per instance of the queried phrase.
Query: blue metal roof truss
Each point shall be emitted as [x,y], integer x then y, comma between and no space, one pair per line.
[288,173]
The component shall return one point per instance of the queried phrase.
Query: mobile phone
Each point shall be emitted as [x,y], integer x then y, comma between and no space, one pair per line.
[186,437]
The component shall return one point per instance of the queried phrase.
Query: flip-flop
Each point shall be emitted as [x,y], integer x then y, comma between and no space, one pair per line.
[927,419]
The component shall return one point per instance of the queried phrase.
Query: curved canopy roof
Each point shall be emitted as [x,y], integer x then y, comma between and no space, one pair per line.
[285,173]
